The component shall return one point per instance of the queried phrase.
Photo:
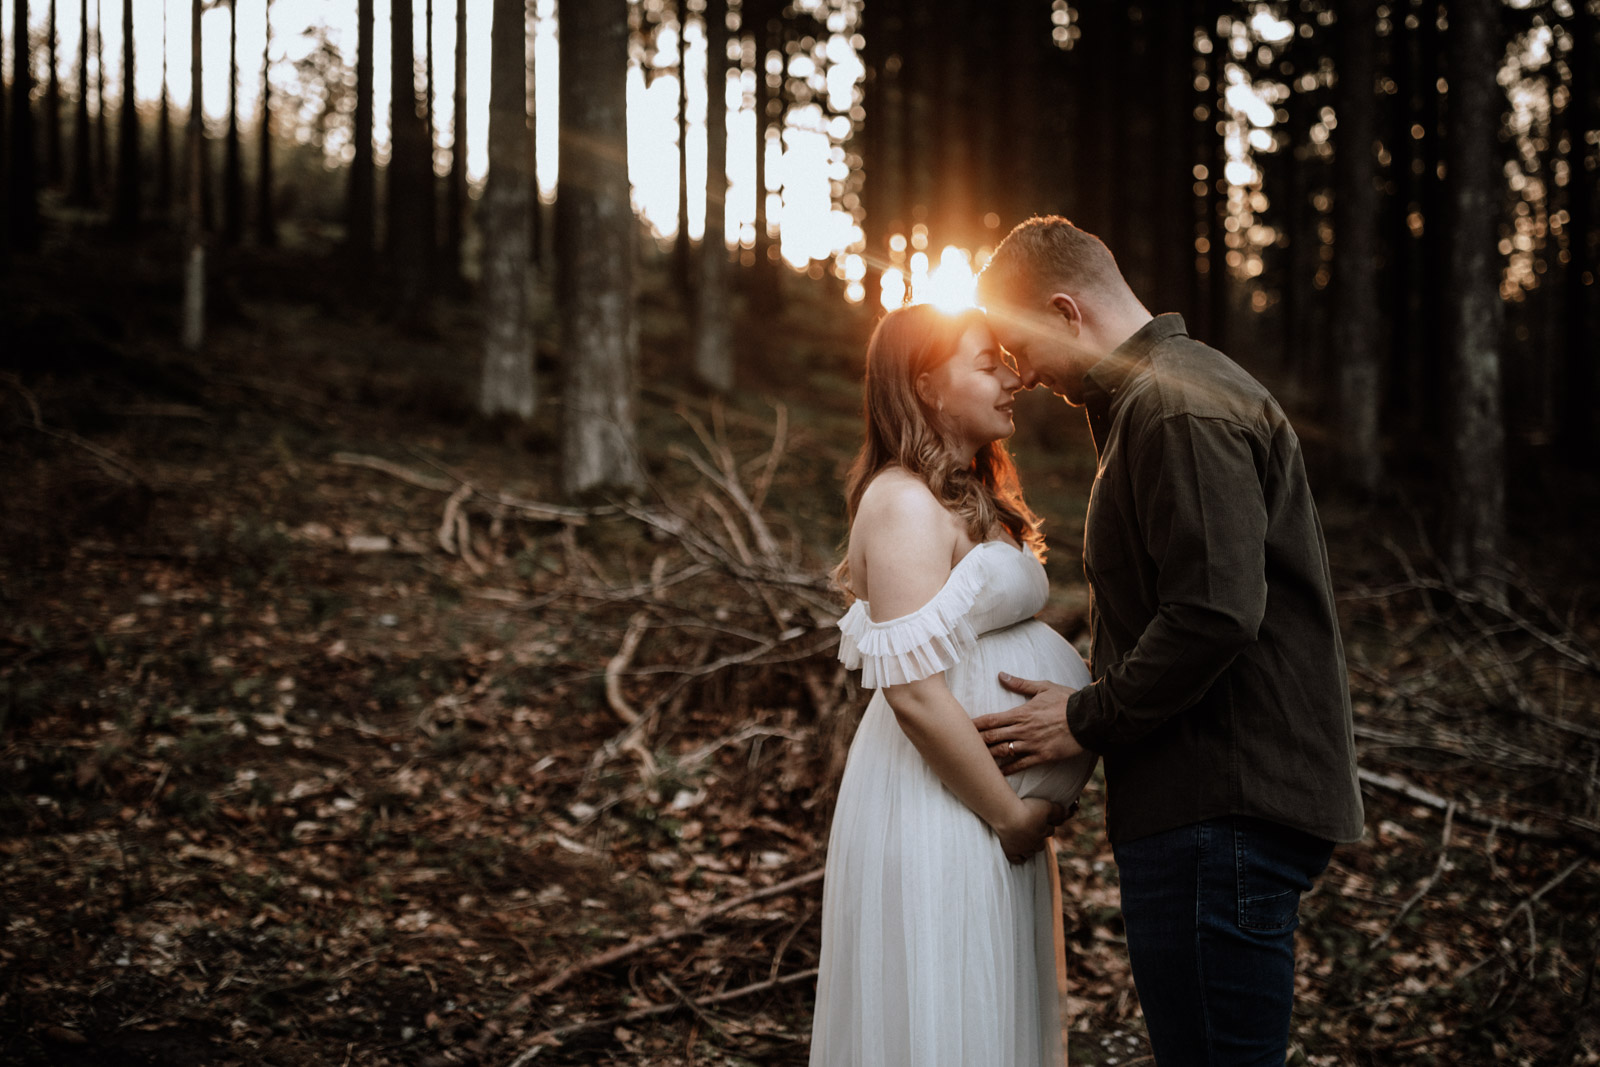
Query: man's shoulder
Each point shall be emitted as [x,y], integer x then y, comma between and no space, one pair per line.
[1189,377]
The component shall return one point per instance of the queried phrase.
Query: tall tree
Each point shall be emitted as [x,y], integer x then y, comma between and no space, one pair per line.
[1357,316]
[1475,508]
[23,192]
[680,245]
[765,285]
[361,203]
[456,185]
[82,135]
[430,203]
[713,348]
[266,209]
[1580,432]
[536,226]
[54,165]
[508,379]
[194,281]
[164,131]
[232,162]
[595,233]
[410,171]
[102,153]
[125,205]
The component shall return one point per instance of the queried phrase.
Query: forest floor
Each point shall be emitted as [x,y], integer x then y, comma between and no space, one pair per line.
[323,744]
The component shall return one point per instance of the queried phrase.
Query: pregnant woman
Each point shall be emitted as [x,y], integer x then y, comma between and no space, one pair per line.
[940,915]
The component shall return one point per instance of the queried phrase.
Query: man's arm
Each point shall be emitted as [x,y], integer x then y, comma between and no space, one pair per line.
[1203,519]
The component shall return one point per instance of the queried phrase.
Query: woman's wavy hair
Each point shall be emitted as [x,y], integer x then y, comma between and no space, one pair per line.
[902,430]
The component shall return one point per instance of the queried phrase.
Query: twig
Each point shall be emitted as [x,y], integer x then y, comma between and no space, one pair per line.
[532,509]
[641,944]
[1527,904]
[629,741]
[555,1036]
[1415,792]
[1427,886]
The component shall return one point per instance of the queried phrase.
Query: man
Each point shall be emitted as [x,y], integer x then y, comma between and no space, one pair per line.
[1219,702]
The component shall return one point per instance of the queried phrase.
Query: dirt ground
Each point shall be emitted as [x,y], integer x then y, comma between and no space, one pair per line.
[313,729]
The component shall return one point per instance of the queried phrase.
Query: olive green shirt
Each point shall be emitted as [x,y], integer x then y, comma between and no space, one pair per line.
[1219,675]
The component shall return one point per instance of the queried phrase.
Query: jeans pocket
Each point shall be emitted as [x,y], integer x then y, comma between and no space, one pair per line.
[1275,865]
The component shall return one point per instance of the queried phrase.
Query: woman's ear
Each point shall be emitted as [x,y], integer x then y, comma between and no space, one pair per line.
[925,392]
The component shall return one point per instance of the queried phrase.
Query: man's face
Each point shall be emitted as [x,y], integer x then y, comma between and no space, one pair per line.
[1046,346]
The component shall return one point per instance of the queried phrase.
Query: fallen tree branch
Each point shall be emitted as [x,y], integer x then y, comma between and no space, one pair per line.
[1427,886]
[531,509]
[549,1037]
[692,926]
[1412,791]
[629,740]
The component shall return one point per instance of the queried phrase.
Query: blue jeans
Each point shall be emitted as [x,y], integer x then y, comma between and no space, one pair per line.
[1211,909]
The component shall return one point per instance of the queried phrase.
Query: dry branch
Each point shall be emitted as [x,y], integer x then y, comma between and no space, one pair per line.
[1584,839]
[555,1036]
[641,944]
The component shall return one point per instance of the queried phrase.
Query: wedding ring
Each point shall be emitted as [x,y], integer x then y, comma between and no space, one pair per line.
[1011,748]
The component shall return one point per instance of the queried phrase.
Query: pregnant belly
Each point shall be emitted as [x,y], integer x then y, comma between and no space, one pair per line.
[1030,649]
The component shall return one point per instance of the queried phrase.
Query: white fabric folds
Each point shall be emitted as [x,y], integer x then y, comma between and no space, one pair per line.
[930,640]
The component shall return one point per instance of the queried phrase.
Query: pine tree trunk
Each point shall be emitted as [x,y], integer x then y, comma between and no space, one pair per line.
[24,179]
[595,234]
[194,282]
[266,208]
[536,226]
[764,278]
[1580,435]
[456,186]
[164,132]
[102,153]
[680,245]
[713,346]
[232,165]
[361,206]
[82,130]
[1356,314]
[409,167]
[508,383]
[430,200]
[1475,508]
[125,209]
[54,165]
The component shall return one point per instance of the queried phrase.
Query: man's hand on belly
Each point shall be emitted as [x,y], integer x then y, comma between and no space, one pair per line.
[1032,733]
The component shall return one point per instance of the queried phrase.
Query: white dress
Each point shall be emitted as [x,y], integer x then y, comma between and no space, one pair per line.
[936,950]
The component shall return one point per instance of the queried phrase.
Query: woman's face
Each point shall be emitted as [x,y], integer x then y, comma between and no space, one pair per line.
[973,391]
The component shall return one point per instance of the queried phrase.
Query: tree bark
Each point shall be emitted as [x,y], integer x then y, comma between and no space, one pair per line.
[1580,435]
[163,132]
[430,201]
[361,207]
[595,234]
[536,227]
[54,167]
[125,206]
[24,179]
[508,373]
[1356,316]
[680,245]
[232,165]
[82,130]
[713,346]
[764,278]
[1475,508]
[456,184]
[409,166]
[102,154]
[194,282]
[266,208]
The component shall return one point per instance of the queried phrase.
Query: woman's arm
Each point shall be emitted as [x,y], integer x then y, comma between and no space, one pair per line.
[907,541]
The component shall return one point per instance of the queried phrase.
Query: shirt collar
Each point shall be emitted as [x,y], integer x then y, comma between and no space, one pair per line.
[1106,378]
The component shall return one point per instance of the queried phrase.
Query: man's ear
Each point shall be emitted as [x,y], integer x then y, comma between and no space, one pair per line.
[1065,305]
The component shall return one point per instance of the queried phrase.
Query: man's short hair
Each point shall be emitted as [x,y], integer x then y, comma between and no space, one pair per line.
[1048,254]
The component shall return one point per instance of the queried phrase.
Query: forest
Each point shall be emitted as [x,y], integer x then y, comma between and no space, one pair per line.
[423,429]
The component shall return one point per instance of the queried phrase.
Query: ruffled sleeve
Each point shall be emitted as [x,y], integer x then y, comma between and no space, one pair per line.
[926,642]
